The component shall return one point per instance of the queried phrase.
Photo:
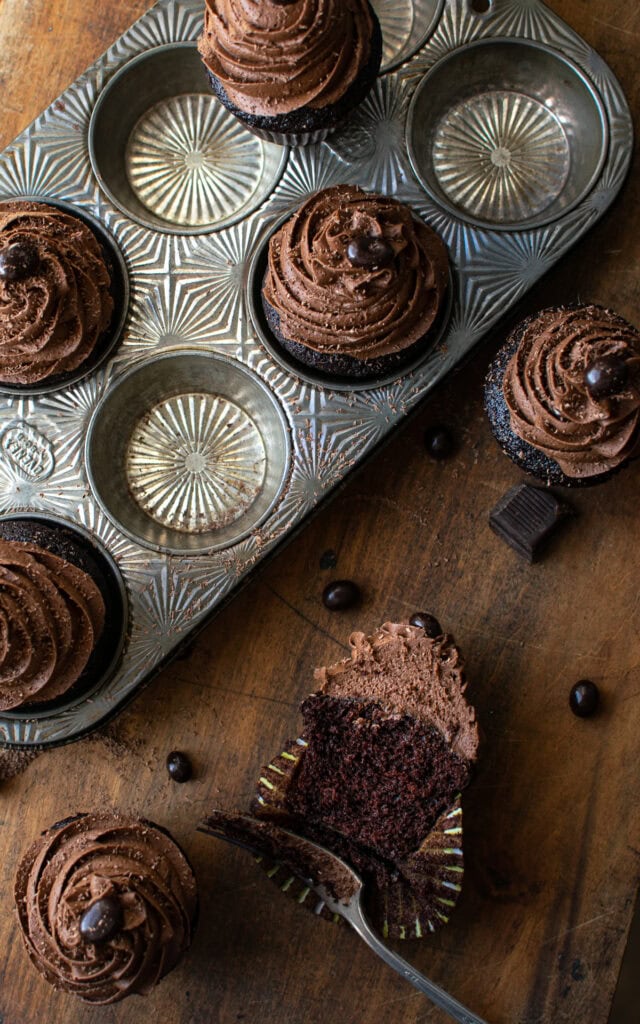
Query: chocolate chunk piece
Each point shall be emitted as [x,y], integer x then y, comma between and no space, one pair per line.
[526,516]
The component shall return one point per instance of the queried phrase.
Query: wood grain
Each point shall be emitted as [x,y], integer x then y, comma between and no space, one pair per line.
[553,817]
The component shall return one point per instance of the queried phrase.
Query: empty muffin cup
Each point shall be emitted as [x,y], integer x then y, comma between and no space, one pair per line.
[188,452]
[81,550]
[507,133]
[169,155]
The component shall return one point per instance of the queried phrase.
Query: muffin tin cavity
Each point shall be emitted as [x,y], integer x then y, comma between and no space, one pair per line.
[320,377]
[405,25]
[507,134]
[188,452]
[169,155]
[77,546]
[119,289]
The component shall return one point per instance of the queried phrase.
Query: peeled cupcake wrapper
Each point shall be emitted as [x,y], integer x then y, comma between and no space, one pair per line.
[435,869]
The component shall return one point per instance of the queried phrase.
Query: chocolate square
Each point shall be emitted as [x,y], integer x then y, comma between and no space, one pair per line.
[526,516]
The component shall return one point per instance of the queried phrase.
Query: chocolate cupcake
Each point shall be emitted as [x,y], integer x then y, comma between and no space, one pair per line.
[55,637]
[355,284]
[291,70]
[388,743]
[56,302]
[563,394]
[107,905]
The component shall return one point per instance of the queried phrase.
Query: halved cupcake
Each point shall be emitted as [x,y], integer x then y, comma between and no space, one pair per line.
[388,743]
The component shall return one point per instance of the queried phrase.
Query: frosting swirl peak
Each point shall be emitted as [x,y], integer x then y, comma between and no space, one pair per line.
[547,393]
[52,317]
[272,58]
[104,856]
[331,304]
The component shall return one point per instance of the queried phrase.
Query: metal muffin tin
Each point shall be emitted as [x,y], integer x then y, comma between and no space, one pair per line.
[510,172]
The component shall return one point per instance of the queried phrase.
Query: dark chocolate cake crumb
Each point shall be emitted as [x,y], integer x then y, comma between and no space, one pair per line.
[525,518]
[328,559]
[373,776]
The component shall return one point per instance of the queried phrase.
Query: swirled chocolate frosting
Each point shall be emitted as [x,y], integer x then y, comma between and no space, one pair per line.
[50,319]
[329,304]
[104,856]
[408,673]
[550,405]
[51,616]
[273,58]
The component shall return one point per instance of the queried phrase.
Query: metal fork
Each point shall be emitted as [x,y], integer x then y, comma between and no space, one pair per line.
[294,851]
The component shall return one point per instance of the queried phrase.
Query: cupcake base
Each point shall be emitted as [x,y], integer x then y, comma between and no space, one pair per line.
[337,365]
[73,547]
[308,125]
[528,458]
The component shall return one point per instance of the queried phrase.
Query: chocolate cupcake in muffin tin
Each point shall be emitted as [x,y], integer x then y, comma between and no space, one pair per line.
[62,615]
[291,70]
[63,295]
[563,394]
[355,285]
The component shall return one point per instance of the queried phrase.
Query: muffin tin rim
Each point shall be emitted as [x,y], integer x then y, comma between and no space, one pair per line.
[156,226]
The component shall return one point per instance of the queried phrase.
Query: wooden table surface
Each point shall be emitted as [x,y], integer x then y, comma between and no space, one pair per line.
[552,819]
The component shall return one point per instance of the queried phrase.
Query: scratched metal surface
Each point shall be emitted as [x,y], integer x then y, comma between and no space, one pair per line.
[188,291]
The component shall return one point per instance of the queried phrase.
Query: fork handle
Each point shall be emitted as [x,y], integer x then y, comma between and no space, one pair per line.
[437,995]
